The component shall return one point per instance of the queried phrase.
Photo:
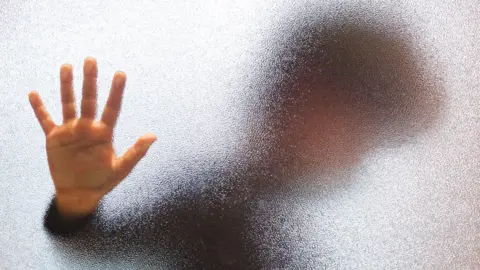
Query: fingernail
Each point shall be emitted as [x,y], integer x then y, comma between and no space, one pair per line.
[144,147]
[118,83]
[90,66]
[65,73]
[119,79]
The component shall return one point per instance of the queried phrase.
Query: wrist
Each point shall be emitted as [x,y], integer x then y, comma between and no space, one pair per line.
[71,205]
[59,224]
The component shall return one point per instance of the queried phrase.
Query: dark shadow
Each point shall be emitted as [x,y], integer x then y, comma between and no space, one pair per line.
[331,91]
[200,225]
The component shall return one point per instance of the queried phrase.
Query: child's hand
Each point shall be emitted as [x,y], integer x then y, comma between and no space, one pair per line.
[80,154]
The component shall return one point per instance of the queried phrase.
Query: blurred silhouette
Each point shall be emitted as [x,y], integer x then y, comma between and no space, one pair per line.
[340,88]
[331,91]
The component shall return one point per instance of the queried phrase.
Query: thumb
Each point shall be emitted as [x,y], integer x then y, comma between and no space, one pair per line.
[125,164]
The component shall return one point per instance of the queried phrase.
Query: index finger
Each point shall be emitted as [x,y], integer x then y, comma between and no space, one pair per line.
[66,90]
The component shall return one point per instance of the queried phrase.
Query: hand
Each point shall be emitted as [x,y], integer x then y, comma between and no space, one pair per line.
[80,153]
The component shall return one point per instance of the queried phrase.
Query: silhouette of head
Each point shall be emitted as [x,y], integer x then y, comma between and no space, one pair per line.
[339,88]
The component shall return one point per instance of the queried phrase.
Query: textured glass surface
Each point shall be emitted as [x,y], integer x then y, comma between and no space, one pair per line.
[292,134]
